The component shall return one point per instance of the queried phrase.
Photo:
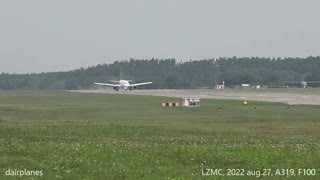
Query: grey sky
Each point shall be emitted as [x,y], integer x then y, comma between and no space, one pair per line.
[58,35]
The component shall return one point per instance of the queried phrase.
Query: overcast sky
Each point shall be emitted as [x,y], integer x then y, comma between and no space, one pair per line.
[60,35]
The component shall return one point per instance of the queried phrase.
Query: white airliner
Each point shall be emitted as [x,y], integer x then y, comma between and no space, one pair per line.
[123,84]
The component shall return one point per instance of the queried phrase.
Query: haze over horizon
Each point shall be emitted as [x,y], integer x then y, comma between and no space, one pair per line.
[47,36]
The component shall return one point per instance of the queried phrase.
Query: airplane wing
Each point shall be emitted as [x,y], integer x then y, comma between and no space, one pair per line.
[139,84]
[104,84]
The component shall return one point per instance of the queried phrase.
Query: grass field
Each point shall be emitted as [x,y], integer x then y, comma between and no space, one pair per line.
[99,136]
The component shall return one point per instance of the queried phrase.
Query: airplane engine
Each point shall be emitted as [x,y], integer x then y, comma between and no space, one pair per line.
[116,88]
[133,87]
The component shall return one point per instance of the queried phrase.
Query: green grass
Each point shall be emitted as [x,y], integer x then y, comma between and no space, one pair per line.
[100,136]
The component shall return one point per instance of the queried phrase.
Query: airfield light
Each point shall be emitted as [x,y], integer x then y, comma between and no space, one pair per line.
[245,102]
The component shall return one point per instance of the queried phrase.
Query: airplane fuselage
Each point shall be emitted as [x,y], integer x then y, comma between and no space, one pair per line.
[124,84]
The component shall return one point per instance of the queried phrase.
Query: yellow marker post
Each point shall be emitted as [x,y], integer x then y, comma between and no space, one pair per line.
[245,102]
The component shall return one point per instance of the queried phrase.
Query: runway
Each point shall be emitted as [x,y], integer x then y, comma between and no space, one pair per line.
[292,99]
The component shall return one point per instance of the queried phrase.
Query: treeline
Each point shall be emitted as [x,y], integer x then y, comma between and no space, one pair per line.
[168,73]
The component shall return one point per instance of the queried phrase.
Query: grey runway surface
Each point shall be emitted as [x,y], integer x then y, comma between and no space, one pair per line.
[293,99]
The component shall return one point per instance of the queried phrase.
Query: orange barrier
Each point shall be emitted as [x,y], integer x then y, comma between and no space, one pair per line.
[170,104]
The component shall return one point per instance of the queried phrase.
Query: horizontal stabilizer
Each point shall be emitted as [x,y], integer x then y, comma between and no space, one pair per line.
[115,81]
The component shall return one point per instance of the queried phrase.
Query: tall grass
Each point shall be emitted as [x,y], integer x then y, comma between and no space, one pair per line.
[98,136]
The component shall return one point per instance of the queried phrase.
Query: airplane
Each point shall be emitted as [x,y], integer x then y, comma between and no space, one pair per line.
[123,84]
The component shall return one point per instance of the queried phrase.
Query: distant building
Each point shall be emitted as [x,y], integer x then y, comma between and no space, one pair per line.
[245,85]
[220,86]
